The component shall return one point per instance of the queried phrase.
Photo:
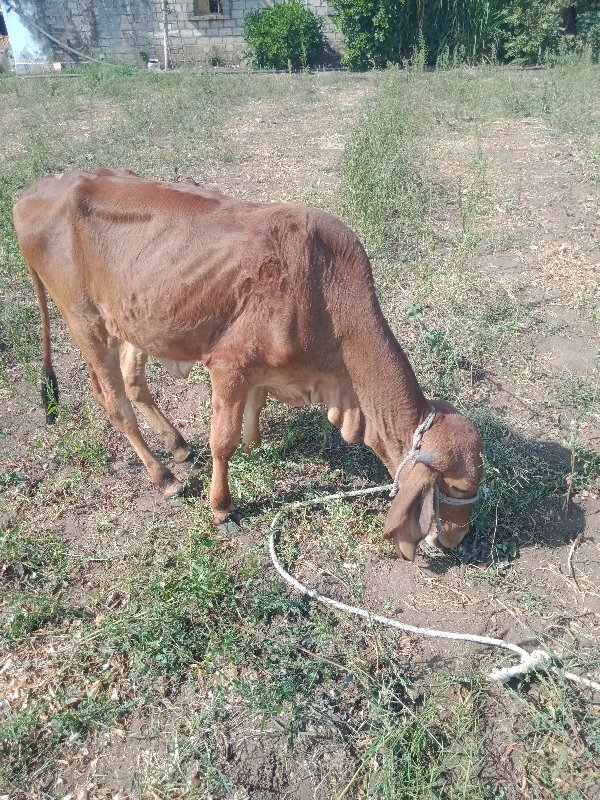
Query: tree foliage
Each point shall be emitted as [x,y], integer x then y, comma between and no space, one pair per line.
[530,28]
[378,32]
[286,34]
[371,31]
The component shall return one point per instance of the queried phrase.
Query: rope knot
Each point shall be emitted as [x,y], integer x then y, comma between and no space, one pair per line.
[530,662]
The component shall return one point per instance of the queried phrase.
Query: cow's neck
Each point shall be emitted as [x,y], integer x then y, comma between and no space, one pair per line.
[390,401]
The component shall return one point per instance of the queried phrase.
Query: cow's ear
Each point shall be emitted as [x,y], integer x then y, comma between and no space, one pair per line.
[409,518]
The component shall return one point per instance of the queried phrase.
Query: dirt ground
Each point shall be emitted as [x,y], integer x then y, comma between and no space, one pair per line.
[539,235]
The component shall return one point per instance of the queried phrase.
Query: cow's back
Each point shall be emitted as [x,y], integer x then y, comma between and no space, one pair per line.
[177,269]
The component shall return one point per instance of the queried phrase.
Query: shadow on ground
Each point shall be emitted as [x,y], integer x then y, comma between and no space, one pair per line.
[524,500]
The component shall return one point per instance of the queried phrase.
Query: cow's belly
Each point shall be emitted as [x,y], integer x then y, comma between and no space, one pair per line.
[178,369]
[294,396]
[308,389]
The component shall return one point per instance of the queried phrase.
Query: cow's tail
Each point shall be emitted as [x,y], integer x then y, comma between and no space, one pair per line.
[49,382]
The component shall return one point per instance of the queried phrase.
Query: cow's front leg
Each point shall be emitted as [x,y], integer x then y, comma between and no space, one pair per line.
[254,405]
[228,404]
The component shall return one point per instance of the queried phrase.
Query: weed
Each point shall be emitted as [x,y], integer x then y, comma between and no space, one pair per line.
[532,600]
[34,573]
[31,735]
[385,198]
[29,613]
[580,394]
[19,324]
[560,721]
[585,466]
[29,564]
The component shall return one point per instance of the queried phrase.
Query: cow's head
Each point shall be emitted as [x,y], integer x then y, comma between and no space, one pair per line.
[450,457]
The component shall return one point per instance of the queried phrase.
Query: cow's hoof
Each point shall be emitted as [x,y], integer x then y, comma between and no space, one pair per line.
[229,525]
[431,547]
[183,454]
[173,488]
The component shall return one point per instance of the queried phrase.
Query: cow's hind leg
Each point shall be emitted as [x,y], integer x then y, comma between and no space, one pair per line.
[102,359]
[254,405]
[228,401]
[133,363]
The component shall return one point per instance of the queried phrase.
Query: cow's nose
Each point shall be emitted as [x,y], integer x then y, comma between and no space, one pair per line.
[448,541]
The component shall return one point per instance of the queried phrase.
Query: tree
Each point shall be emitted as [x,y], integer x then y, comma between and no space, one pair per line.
[530,28]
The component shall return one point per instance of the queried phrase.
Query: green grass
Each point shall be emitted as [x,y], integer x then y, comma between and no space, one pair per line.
[31,737]
[79,439]
[201,610]
[33,575]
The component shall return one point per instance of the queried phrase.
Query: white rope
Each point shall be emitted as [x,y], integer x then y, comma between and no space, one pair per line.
[416,445]
[530,662]
[537,659]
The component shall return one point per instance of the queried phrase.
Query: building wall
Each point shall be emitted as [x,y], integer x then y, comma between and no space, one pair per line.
[127,30]
[30,50]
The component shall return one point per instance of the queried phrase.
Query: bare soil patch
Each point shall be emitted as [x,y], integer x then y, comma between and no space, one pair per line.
[537,226]
[287,153]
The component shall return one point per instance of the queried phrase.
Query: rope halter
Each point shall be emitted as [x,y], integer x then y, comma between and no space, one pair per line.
[438,495]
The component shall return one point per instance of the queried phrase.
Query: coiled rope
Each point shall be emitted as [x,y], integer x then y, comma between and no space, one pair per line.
[536,660]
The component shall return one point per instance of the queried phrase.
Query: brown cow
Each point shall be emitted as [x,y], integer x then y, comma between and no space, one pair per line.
[270,298]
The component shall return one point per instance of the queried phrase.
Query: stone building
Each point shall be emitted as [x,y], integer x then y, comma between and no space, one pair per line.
[43,32]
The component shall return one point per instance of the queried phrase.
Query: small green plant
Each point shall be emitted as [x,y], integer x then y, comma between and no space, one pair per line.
[81,443]
[216,58]
[283,36]
[29,564]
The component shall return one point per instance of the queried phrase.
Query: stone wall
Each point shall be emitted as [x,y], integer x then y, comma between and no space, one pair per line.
[132,30]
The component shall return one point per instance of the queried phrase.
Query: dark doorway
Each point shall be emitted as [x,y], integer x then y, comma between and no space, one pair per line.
[3,31]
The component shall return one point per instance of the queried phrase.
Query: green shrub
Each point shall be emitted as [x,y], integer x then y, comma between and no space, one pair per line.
[380,32]
[449,32]
[284,34]
[371,31]
[530,29]
[588,30]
